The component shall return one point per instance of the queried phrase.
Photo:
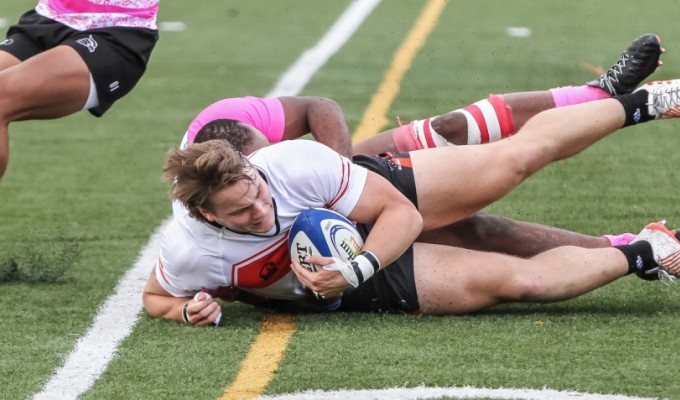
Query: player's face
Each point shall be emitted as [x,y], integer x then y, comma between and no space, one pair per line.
[244,206]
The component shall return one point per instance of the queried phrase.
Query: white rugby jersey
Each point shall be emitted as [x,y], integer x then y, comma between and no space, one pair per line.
[300,174]
[91,14]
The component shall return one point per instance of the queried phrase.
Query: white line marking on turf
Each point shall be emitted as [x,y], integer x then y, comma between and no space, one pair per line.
[113,323]
[454,392]
[172,26]
[297,77]
[119,314]
[518,31]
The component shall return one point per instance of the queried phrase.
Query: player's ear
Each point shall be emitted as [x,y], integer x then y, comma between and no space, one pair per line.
[206,214]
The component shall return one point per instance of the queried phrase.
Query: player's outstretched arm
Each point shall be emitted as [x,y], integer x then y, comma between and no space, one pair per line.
[320,116]
[161,304]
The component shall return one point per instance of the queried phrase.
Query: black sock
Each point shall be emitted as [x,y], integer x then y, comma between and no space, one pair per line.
[640,257]
[635,106]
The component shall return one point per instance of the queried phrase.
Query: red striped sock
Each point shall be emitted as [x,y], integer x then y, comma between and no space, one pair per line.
[488,120]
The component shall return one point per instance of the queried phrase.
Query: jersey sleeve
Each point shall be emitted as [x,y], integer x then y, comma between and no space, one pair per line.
[168,272]
[264,114]
[183,268]
[344,182]
[168,281]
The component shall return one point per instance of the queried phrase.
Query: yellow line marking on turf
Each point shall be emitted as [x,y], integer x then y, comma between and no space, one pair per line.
[374,118]
[263,358]
[266,352]
[597,70]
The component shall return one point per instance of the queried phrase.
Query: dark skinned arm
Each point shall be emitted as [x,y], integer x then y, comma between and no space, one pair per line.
[320,116]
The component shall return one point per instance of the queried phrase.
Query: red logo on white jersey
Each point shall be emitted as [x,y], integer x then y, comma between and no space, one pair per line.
[263,268]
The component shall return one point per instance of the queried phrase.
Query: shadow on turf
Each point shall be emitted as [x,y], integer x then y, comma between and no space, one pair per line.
[641,308]
[33,260]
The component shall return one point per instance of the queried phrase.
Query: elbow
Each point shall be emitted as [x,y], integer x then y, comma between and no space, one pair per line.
[149,305]
[326,101]
[146,304]
[417,223]
[412,219]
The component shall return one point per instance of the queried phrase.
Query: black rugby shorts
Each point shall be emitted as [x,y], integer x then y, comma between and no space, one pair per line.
[116,57]
[393,288]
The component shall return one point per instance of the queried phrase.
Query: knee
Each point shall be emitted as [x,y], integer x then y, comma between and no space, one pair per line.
[10,98]
[521,161]
[523,287]
[452,126]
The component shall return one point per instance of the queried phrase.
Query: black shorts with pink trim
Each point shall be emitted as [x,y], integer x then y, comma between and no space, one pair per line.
[393,288]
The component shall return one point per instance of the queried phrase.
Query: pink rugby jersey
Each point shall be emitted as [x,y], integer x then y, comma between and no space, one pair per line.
[265,115]
[91,14]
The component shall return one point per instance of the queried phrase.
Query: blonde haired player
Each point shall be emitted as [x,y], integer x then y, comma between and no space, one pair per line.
[239,210]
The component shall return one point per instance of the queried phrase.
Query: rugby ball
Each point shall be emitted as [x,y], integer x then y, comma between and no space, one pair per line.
[323,232]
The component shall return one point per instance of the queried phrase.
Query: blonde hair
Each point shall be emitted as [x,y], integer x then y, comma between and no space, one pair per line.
[201,170]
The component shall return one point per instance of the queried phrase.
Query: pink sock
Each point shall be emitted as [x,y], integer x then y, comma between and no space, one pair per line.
[620,240]
[568,95]
[404,139]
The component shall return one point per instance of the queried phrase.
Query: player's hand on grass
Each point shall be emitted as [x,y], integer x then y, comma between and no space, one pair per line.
[202,310]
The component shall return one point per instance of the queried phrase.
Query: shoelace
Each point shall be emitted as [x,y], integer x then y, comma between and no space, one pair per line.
[616,69]
[666,277]
[667,99]
[613,73]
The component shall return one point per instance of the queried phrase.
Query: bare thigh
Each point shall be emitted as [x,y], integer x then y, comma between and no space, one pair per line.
[51,84]
[7,60]
[454,281]
[451,280]
[455,182]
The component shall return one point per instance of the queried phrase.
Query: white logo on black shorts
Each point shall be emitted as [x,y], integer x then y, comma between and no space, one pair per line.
[88,42]
[114,86]
[6,42]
